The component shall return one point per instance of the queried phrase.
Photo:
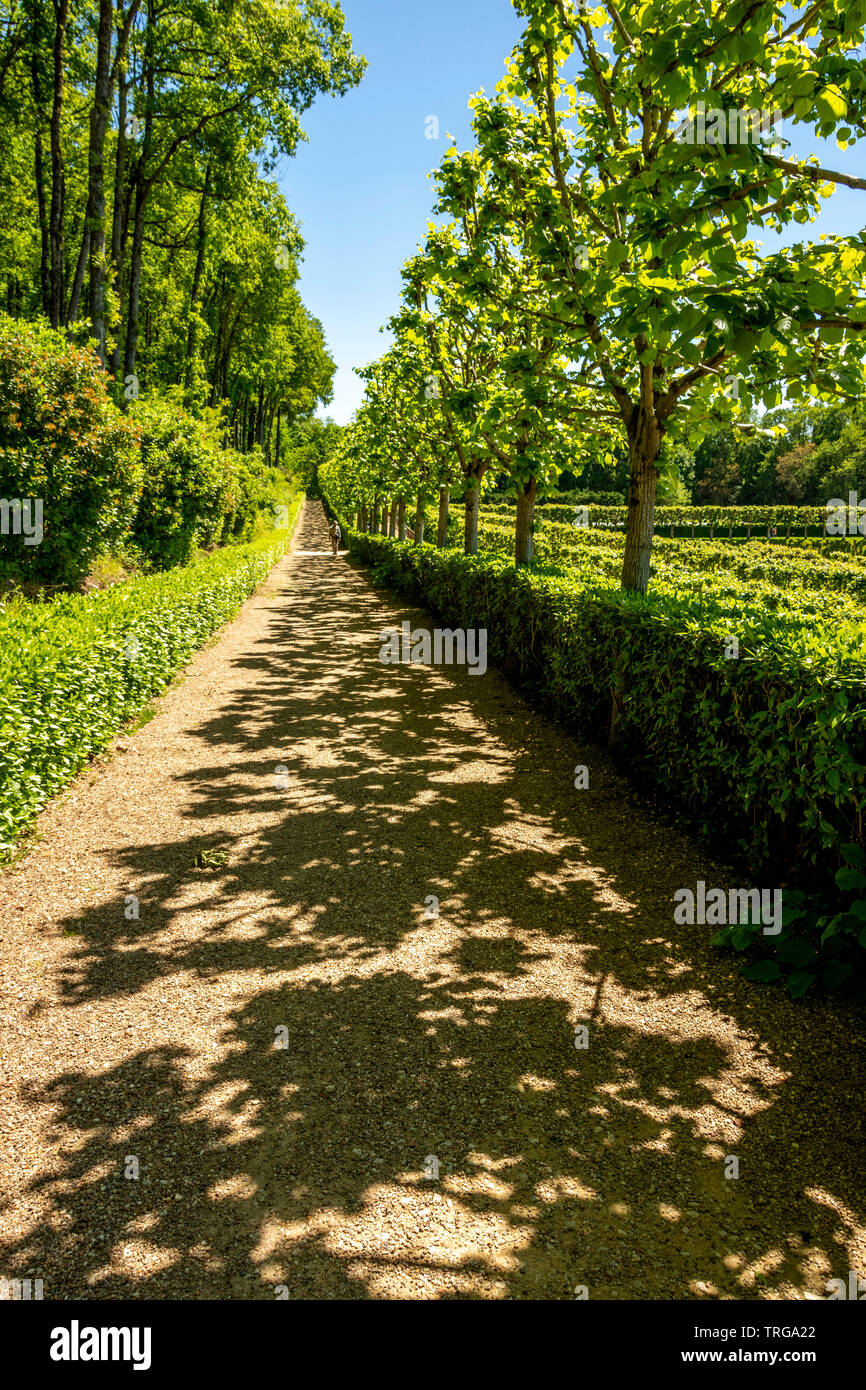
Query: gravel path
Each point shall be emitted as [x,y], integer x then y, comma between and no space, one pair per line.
[152,1041]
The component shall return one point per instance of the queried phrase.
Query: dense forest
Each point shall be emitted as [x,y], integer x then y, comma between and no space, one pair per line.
[141,221]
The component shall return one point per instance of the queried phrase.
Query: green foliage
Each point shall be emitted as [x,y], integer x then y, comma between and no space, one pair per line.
[151,139]
[815,945]
[186,483]
[308,444]
[597,286]
[77,670]
[766,753]
[63,441]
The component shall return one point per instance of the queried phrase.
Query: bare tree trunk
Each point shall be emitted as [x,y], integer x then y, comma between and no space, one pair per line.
[392,519]
[58,178]
[201,238]
[94,217]
[78,281]
[260,416]
[363,526]
[645,440]
[39,174]
[142,192]
[375,523]
[119,216]
[401,519]
[442,528]
[419,520]
[472,505]
[134,305]
[524,522]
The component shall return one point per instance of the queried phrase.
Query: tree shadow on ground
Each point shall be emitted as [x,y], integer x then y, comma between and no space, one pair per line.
[450,1044]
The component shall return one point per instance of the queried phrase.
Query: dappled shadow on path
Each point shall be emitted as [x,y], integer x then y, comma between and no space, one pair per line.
[565,1159]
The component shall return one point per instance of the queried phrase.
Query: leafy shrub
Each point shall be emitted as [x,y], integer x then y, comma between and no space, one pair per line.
[815,943]
[255,492]
[765,753]
[568,498]
[75,671]
[186,484]
[62,440]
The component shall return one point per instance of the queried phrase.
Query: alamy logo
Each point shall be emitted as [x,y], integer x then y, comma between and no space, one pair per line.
[738,126]
[22,516]
[846,521]
[740,906]
[20,1290]
[76,1343]
[856,1287]
[441,647]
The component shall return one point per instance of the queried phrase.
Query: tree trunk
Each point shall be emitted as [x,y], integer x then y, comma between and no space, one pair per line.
[419,520]
[401,519]
[94,217]
[278,442]
[442,528]
[375,526]
[192,327]
[56,216]
[142,192]
[524,521]
[260,416]
[472,507]
[644,444]
[119,216]
[392,519]
[134,305]
[363,524]
[39,174]
[78,281]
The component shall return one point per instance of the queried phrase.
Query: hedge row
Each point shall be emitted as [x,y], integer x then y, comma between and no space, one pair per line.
[75,671]
[793,521]
[766,752]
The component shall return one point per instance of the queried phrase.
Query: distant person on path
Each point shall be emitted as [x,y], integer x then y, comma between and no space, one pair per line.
[335,534]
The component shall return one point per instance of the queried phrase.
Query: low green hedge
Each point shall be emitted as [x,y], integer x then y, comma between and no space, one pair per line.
[765,752]
[75,671]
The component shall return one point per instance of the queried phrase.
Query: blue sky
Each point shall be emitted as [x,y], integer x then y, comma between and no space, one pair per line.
[360,187]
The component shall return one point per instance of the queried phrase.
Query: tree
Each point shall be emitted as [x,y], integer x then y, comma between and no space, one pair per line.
[669,309]
[127,122]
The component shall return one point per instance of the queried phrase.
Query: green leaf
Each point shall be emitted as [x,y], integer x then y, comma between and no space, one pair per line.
[830,104]
[798,952]
[764,971]
[850,878]
[799,982]
[836,974]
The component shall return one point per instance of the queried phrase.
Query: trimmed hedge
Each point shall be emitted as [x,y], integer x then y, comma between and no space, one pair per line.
[75,671]
[765,753]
